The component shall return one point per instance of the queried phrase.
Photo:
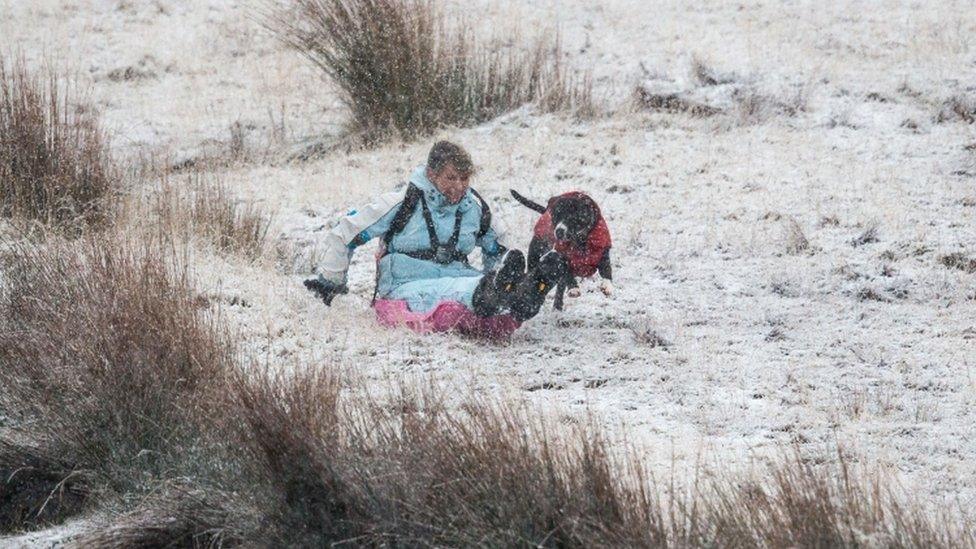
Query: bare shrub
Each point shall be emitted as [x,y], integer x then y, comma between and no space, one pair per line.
[107,362]
[54,161]
[201,205]
[404,67]
[959,261]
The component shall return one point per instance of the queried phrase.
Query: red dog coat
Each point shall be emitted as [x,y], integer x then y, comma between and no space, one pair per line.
[583,262]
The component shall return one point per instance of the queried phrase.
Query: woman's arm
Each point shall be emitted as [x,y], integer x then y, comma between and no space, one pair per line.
[491,249]
[351,231]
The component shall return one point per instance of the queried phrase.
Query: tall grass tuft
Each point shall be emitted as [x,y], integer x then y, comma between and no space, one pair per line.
[202,206]
[795,503]
[108,365]
[404,67]
[409,471]
[54,161]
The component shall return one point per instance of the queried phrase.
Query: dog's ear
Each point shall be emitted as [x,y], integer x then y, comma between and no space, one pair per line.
[585,214]
[590,214]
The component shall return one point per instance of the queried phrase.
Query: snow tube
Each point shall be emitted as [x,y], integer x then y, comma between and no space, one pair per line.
[445,317]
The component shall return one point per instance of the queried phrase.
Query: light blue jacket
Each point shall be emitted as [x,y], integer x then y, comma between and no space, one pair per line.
[423,284]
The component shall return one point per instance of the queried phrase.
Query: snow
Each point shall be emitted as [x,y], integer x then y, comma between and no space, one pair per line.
[726,337]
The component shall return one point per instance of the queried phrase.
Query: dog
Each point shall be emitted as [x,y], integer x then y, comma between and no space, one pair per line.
[571,225]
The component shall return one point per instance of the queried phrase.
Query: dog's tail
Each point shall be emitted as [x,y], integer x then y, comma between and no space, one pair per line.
[532,205]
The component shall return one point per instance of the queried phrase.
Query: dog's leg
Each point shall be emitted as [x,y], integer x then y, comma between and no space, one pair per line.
[604,268]
[606,272]
[573,287]
[560,290]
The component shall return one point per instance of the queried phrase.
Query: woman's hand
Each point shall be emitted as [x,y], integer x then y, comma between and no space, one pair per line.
[326,289]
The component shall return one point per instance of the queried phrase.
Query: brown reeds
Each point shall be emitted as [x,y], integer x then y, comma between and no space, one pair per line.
[403,67]
[54,162]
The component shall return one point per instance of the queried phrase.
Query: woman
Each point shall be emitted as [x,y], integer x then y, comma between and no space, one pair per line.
[427,234]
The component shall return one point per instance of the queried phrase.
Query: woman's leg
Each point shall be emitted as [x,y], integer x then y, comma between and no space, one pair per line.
[531,291]
[508,288]
[424,295]
[494,292]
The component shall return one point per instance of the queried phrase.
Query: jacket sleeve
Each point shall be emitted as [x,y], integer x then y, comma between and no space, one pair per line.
[353,230]
[492,248]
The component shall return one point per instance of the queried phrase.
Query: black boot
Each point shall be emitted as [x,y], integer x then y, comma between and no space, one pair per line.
[530,293]
[494,291]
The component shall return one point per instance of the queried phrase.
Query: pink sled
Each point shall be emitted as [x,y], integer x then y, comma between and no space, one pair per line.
[445,317]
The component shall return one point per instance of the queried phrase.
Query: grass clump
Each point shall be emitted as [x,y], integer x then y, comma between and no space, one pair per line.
[109,367]
[124,397]
[54,162]
[327,465]
[403,67]
[202,206]
[410,471]
[959,261]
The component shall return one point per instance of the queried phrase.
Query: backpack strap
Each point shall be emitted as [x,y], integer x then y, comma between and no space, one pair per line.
[403,214]
[409,205]
[485,215]
[441,253]
[400,219]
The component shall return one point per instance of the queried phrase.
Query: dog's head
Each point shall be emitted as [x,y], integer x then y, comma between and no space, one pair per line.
[573,217]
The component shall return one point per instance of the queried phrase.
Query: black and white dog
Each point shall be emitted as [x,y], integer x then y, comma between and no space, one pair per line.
[571,225]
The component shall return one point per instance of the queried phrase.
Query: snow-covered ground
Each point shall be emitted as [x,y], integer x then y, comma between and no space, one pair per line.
[777,266]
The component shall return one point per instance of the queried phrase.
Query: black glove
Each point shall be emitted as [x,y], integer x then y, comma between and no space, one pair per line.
[325,289]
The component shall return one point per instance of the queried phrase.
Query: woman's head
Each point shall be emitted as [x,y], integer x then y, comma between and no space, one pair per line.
[449,168]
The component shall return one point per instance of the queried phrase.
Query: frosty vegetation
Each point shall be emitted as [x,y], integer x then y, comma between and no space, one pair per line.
[165,380]
[405,68]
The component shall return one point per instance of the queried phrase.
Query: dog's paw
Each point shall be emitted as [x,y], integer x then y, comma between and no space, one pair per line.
[573,292]
[607,288]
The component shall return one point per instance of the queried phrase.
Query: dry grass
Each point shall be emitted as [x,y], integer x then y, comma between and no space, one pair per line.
[54,163]
[405,68]
[412,472]
[795,503]
[37,487]
[140,409]
[201,205]
[959,261]
[958,108]
[796,240]
[671,102]
[107,364]
[716,93]
[868,236]
[173,516]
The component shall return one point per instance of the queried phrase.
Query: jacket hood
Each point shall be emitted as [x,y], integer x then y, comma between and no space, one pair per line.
[435,198]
